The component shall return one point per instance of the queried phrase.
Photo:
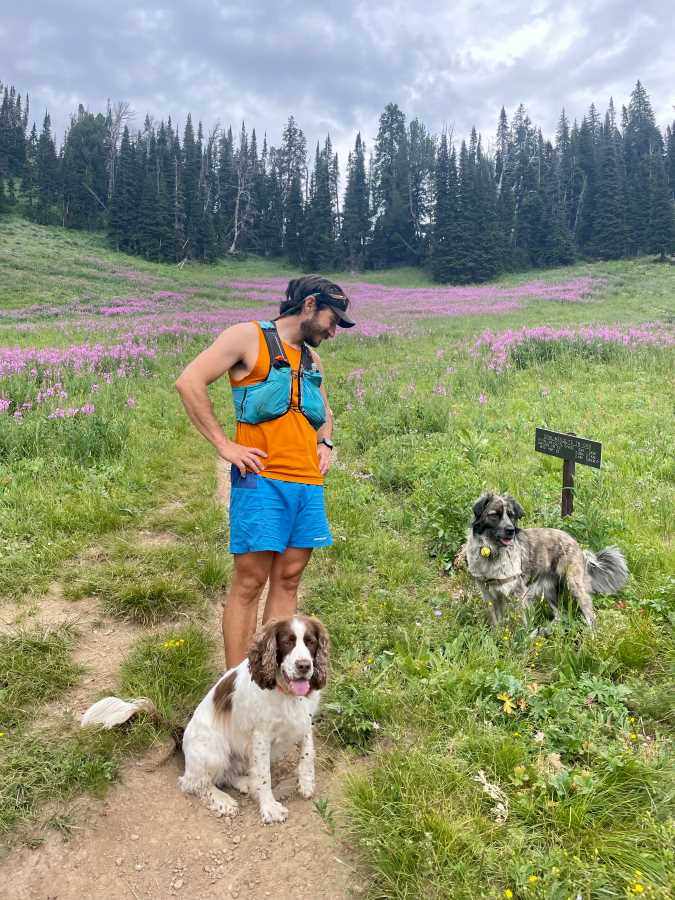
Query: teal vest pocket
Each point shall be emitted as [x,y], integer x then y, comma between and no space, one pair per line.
[266,400]
[311,398]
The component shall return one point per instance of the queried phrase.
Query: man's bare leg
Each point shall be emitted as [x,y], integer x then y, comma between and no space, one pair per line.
[251,571]
[287,569]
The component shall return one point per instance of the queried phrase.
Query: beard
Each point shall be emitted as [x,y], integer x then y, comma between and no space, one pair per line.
[312,333]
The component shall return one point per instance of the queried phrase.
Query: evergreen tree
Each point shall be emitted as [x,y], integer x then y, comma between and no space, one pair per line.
[294,225]
[445,214]
[421,167]
[608,240]
[670,158]
[505,178]
[641,139]
[121,218]
[192,163]
[565,169]
[291,157]
[203,236]
[85,179]
[586,153]
[176,198]
[12,134]
[356,216]
[503,146]
[393,241]
[319,233]
[150,218]
[661,210]
[465,237]
[29,181]
[488,251]
[272,222]
[47,175]
[225,201]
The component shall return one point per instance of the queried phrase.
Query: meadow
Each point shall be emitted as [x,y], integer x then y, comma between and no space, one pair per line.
[496,765]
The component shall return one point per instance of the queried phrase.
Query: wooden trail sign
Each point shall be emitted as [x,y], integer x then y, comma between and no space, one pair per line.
[572,449]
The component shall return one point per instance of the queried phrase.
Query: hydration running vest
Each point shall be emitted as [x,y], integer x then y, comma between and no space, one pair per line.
[271,398]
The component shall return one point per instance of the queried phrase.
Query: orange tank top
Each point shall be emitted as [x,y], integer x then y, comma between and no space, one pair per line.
[289,441]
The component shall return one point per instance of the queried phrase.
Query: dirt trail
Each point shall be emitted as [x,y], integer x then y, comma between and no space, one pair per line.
[147,840]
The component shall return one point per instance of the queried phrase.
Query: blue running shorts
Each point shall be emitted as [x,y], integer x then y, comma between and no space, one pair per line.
[269,514]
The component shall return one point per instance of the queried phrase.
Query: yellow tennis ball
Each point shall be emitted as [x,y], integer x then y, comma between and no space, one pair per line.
[485,551]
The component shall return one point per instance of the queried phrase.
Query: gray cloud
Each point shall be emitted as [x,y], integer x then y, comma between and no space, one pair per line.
[334,65]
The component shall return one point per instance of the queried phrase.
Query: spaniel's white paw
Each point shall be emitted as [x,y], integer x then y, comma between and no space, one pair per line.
[306,788]
[222,804]
[273,812]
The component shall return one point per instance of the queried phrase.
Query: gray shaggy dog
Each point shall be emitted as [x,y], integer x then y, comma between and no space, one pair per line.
[530,563]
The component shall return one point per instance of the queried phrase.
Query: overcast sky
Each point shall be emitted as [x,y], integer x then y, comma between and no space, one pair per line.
[335,65]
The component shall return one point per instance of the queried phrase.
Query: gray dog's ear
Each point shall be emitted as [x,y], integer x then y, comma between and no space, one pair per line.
[515,509]
[480,504]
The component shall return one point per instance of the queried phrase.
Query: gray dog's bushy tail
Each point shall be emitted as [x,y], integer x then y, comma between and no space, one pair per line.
[607,569]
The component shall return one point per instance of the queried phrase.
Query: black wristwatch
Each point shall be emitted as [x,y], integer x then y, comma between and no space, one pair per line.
[327,442]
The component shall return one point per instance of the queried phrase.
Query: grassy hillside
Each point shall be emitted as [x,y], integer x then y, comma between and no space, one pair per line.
[499,766]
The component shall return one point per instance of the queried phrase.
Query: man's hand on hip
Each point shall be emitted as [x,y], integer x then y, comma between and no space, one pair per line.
[246,459]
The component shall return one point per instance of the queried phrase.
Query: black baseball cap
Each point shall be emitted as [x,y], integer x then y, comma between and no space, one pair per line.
[326,292]
[339,303]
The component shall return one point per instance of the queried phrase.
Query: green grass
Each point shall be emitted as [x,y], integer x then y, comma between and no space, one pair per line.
[41,774]
[573,730]
[43,771]
[35,667]
[173,669]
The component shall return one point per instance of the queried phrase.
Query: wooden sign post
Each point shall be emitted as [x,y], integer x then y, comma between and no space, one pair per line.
[571,449]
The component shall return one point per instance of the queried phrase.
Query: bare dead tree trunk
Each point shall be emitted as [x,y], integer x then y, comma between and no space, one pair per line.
[120,114]
[235,227]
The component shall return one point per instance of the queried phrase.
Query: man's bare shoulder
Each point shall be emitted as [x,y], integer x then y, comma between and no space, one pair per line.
[243,335]
[242,330]
[316,359]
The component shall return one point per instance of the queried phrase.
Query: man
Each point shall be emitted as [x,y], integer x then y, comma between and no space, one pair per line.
[282,448]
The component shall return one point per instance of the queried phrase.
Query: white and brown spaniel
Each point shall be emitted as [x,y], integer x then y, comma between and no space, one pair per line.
[254,715]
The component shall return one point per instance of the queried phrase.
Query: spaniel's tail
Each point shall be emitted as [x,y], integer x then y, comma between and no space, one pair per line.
[111,711]
[607,570]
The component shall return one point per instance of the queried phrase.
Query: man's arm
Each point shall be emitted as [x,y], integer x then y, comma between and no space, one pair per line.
[225,352]
[326,430]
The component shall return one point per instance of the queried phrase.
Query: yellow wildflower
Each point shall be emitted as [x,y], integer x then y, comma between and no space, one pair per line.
[532,879]
[633,736]
[638,888]
[509,705]
[508,893]
[637,873]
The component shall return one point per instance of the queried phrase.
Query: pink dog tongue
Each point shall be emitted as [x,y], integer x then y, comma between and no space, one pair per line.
[299,688]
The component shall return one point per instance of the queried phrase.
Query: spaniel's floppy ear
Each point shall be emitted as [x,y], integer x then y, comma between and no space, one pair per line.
[318,680]
[480,504]
[516,511]
[262,657]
